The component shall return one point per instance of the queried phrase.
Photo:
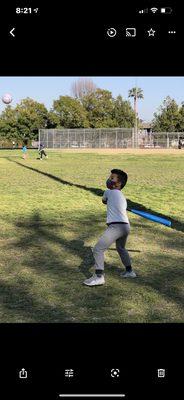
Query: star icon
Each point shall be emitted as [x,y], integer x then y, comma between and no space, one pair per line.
[151,32]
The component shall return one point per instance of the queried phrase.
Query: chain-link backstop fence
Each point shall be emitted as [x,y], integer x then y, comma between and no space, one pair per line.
[164,140]
[86,138]
[107,138]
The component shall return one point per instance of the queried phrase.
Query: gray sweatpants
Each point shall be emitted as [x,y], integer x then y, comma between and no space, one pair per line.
[114,233]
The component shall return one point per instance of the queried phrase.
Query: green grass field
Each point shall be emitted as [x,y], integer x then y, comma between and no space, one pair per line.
[49,224]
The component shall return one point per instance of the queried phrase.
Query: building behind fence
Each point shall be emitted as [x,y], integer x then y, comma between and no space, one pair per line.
[107,138]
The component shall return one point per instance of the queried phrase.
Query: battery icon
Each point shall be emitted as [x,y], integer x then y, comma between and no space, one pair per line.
[166,10]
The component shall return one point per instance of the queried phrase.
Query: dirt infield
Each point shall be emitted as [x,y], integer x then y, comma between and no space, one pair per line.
[176,152]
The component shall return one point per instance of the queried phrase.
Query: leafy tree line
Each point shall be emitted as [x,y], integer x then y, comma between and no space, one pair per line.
[95,109]
[88,107]
[170,117]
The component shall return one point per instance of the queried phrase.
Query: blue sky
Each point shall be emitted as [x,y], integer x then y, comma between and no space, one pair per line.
[45,89]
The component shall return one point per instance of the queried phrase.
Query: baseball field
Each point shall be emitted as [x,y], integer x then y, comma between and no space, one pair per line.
[51,215]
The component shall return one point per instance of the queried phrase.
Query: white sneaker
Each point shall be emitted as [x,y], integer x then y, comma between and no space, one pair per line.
[95,280]
[127,274]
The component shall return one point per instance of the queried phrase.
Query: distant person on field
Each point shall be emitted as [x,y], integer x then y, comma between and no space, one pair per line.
[42,151]
[118,228]
[24,150]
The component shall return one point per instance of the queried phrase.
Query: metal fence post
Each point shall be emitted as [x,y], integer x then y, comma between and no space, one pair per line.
[167,141]
[116,139]
[100,138]
[133,137]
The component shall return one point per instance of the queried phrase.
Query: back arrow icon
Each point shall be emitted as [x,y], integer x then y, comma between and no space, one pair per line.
[11,32]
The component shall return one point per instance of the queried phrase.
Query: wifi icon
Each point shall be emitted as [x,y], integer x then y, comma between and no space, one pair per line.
[154,10]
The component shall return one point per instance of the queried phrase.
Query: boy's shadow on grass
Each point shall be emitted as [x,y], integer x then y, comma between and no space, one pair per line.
[175,224]
[47,261]
[37,229]
[87,261]
[42,258]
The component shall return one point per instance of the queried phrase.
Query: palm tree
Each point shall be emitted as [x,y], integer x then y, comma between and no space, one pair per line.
[136,93]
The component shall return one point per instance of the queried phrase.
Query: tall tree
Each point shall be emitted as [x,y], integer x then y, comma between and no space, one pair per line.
[53,120]
[82,87]
[123,113]
[100,107]
[24,120]
[181,117]
[8,124]
[70,113]
[136,93]
[168,117]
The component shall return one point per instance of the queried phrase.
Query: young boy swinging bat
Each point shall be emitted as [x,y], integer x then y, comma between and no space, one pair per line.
[118,228]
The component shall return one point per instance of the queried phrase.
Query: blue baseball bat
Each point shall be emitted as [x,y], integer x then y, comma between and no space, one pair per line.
[151,217]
